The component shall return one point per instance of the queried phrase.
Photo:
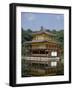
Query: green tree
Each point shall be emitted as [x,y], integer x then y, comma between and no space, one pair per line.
[26,36]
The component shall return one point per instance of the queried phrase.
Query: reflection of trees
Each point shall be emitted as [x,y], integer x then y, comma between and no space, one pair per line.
[25,68]
[60,69]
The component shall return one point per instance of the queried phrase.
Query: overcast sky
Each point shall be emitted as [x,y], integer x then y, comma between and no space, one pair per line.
[34,21]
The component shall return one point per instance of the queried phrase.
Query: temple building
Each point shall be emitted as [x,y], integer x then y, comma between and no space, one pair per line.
[44,54]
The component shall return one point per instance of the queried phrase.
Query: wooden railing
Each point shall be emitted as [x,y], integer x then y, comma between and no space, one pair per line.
[41,58]
[39,55]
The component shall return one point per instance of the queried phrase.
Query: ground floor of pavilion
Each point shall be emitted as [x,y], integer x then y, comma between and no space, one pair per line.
[43,66]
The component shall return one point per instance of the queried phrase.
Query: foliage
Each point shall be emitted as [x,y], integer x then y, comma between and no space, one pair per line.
[59,36]
[26,35]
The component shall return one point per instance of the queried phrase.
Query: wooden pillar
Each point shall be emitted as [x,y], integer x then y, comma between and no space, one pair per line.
[49,53]
[31,52]
[39,51]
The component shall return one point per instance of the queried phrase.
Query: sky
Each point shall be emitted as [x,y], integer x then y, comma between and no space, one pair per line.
[34,21]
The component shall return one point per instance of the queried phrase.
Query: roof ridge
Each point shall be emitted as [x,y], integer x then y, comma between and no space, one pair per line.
[39,32]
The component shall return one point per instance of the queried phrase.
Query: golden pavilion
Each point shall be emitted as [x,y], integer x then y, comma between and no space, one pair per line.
[44,54]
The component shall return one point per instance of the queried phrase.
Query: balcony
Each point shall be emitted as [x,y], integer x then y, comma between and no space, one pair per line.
[41,58]
[39,55]
[40,47]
